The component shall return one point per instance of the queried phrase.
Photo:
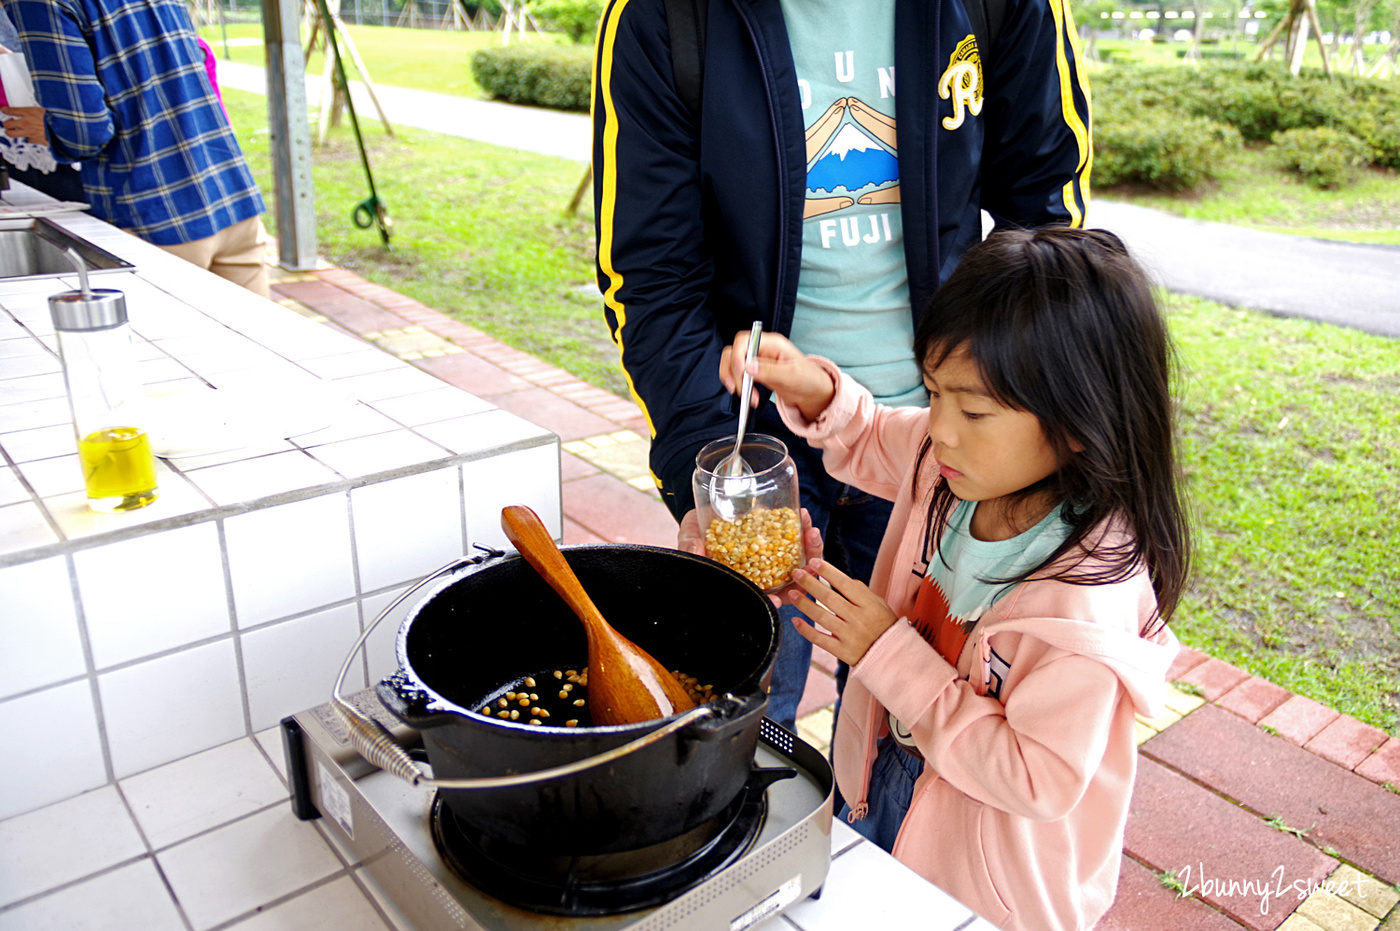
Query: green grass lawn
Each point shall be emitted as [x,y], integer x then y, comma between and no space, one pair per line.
[1291,428]
[436,60]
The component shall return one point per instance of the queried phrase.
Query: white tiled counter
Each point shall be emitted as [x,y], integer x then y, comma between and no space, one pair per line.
[134,640]
[210,843]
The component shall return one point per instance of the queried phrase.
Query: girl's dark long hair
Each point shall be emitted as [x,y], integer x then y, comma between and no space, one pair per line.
[1062,323]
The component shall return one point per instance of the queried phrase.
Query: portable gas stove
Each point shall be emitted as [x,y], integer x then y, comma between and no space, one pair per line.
[772,849]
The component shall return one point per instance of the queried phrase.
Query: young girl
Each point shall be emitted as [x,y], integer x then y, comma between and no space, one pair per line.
[1016,618]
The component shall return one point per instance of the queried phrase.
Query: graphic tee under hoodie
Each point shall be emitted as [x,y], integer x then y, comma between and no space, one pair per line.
[965,577]
[853,287]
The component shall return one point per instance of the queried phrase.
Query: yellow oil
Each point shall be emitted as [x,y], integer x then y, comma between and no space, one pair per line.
[118,469]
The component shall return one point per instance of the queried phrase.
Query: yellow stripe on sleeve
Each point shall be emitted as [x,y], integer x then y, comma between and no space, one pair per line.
[607,180]
[1064,22]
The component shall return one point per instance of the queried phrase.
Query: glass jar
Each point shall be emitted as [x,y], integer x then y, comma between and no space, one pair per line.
[752,523]
[99,371]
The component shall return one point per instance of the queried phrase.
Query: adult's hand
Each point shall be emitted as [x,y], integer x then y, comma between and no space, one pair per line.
[26,123]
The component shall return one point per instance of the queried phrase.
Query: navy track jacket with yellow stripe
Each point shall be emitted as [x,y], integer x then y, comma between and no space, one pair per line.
[699,217]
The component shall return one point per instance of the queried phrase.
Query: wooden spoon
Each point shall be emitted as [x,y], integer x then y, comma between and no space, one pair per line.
[625,685]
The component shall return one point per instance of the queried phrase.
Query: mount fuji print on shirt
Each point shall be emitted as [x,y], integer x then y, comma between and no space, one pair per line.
[852,163]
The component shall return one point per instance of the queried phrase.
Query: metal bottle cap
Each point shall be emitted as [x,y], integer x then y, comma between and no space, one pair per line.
[97,309]
[86,308]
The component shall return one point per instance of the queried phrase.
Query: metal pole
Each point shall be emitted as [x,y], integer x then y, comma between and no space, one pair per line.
[290,134]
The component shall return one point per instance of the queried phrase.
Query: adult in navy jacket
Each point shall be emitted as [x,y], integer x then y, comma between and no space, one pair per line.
[700,215]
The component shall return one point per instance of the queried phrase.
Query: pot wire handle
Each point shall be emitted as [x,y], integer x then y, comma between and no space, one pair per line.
[370,738]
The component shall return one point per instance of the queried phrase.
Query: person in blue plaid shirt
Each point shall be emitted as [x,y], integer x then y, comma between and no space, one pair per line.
[126,94]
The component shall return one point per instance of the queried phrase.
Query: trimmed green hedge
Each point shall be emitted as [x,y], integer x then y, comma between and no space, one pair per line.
[1220,101]
[557,76]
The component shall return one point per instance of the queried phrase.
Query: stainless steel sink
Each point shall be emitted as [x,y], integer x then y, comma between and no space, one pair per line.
[33,248]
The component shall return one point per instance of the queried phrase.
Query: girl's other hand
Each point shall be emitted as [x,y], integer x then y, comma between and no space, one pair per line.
[781,366]
[854,615]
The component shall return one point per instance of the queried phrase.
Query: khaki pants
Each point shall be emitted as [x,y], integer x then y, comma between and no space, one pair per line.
[237,253]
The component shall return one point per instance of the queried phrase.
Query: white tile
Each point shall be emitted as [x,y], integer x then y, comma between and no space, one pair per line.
[842,836]
[168,708]
[12,490]
[262,477]
[38,627]
[489,430]
[395,382]
[54,733]
[41,442]
[64,842]
[339,904]
[23,527]
[33,388]
[292,666]
[181,799]
[131,898]
[56,476]
[175,498]
[46,412]
[867,887]
[372,455]
[229,872]
[290,558]
[406,527]
[271,742]
[357,362]
[152,593]
[379,647]
[432,406]
[355,421]
[529,477]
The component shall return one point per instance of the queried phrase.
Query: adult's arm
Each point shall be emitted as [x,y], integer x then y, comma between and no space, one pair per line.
[80,123]
[1038,150]
[653,267]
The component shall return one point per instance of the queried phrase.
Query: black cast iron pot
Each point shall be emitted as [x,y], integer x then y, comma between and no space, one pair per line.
[488,624]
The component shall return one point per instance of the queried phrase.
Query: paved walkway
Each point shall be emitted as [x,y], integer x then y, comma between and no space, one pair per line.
[1273,811]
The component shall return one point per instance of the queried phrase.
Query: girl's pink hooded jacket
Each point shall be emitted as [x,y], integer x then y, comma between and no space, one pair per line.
[1021,808]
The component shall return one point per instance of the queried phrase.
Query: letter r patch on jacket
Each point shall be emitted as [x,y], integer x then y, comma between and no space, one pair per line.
[962,82]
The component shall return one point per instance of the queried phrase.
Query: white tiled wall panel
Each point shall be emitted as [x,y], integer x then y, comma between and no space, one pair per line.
[153,593]
[292,666]
[290,558]
[379,648]
[515,478]
[406,527]
[52,748]
[38,627]
[171,707]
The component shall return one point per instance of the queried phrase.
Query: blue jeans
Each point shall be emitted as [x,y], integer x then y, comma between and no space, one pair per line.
[891,790]
[852,524]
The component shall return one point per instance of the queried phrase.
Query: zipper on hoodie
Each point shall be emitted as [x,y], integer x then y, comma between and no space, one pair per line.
[781,267]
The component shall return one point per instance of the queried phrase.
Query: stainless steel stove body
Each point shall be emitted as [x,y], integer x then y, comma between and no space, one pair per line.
[386,822]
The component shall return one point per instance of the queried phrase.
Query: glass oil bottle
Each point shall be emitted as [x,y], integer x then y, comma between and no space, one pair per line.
[99,371]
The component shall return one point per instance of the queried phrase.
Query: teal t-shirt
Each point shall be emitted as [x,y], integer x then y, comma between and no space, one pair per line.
[853,290]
